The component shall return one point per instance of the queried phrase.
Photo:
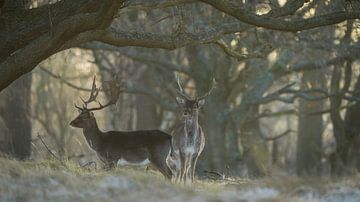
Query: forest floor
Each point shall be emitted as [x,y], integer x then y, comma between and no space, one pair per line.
[51,181]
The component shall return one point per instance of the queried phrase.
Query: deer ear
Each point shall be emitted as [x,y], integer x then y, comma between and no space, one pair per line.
[201,102]
[180,100]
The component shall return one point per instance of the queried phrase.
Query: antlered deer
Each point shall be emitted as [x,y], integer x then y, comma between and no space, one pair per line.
[188,139]
[122,147]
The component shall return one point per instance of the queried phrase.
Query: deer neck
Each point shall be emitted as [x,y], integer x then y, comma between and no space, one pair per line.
[92,133]
[191,124]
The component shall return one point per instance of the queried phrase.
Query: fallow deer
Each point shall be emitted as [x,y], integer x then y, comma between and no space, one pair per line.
[188,139]
[122,147]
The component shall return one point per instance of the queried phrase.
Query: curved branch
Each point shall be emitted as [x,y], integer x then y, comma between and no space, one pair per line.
[25,59]
[269,22]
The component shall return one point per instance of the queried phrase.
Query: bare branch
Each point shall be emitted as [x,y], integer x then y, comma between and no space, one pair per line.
[278,113]
[26,58]
[317,113]
[63,80]
[267,21]
[52,153]
[135,56]
[154,5]
[278,136]
[239,56]
[289,8]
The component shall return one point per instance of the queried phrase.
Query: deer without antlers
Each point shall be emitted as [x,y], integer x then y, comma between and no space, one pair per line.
[188,139]
[122,147]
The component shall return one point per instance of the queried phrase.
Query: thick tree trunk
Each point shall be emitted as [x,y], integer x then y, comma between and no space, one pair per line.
[310,129]
[352,128]
[147,116]
[17,103]
[256,153]
[338,158]
[215,131]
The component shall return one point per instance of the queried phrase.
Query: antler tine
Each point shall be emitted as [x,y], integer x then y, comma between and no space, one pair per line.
[93,94]
[181,90]
[115,91]
[77,107]
[101,106]
[209,92]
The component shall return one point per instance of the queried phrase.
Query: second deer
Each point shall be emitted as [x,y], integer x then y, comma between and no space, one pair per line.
[188,137]
[122,147]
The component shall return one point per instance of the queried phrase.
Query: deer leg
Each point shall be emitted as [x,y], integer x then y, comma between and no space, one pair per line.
[109,165]
[158,159]
[190,170]
[187,167]
[174,165]
[161,165]
[187,164]
[193,166]
[182,166]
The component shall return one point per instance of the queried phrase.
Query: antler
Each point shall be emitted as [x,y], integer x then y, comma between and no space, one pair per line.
[209,92]
[181,90]
[94,93]
[114,90]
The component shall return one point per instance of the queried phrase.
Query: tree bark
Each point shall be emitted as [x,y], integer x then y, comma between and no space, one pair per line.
[310,129]
[37,43]
[255,152]
[147,116]
[17,103]
[352,128]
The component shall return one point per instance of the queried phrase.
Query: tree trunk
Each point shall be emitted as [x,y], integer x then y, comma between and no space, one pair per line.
[310,129]
[255,152]
[352,128]
[147,116]
[14,113]
[215,130]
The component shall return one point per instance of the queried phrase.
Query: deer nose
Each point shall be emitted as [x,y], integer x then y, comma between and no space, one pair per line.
[72,123]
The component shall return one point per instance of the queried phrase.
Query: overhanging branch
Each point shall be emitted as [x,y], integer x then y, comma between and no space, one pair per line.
[281,24]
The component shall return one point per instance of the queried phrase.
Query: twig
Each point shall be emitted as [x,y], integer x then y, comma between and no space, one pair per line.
[317,113]
[222,176]
[52,153]
[278,136]
[233,53]
[278,113]
[63,80]
[89,164]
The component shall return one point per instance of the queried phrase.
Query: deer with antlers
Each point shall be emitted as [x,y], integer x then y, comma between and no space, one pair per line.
[122,147]
[188,139]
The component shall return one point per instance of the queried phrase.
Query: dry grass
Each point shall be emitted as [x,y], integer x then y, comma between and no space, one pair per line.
[50,181]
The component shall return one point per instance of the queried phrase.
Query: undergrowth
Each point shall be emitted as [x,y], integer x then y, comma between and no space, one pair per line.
[51,180]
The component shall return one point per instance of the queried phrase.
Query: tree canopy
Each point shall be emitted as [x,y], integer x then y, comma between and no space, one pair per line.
[31,34]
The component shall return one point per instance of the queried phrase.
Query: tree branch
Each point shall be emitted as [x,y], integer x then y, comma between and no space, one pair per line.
[267,21]
[277,136]
[25,59]
[15,29]
[63,80]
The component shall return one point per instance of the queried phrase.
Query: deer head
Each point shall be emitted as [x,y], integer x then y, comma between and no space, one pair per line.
[86,113]
[191,105]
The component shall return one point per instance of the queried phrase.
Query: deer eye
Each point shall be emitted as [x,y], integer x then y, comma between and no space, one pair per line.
[185,113]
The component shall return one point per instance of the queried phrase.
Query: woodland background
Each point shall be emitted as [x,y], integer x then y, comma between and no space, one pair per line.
[287,96]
